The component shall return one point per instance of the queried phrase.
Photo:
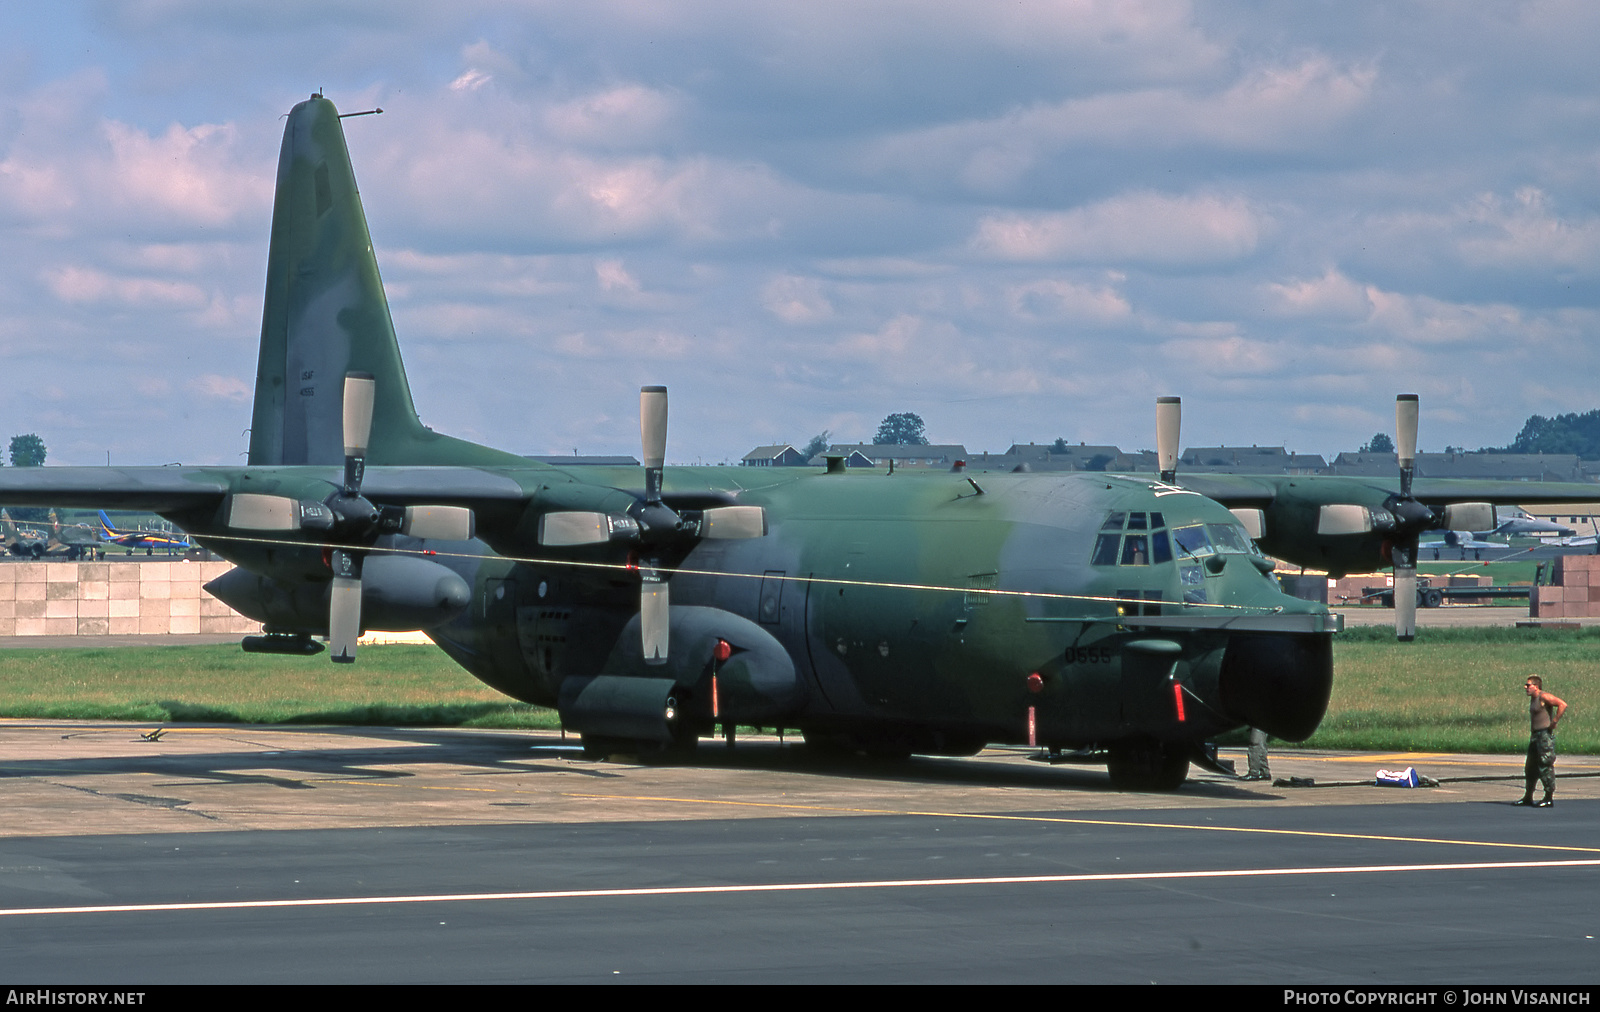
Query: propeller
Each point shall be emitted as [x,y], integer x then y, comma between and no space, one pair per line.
[1169,419]
[650,522]
[1404,552]
[1402,519]
[348,519]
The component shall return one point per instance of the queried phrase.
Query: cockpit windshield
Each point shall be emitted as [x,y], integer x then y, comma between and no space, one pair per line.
[1201,540]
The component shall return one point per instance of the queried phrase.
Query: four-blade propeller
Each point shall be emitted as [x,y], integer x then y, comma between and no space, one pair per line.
[651,524]
[1402,518]
[347,521]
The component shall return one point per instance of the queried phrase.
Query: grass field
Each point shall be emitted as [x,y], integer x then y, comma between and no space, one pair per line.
[1459,690]
[1451,690]
[402,684]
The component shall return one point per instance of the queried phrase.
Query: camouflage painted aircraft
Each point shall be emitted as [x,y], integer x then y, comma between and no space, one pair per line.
[28,542]
[60,541]
[914,612]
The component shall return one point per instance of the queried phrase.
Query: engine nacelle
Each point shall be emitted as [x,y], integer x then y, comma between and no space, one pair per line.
[399,593]
[758,681]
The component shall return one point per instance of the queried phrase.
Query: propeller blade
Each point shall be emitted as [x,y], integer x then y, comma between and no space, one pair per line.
[1405,603]
[1344,518]
[581,527]
[359,391]
[252,511]
[344,606]
[1405,438]
[654,615]
[1253,521]
[653,437]
[730,522]
[1470,516]
[438,523]
[1169,415]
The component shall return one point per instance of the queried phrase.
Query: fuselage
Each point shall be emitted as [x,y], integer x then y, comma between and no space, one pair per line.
[945,608]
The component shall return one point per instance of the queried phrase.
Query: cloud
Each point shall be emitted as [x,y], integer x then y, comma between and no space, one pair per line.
[68,167]
[222,388]
[1525,231]
[1151,228]
[796,300]
[86,284]
[1332,295]
[1270,109]
[626,116]
[1056,300]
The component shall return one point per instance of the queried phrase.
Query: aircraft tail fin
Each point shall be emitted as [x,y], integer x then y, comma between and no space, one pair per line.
[326,315]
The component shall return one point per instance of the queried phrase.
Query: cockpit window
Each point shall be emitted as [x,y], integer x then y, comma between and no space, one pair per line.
[1135,550]
[1192,541]
[1149,546]
[1105,550]
[1229,538]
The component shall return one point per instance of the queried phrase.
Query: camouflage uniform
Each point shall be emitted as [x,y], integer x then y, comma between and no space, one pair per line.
[1541,762]
[1257,756]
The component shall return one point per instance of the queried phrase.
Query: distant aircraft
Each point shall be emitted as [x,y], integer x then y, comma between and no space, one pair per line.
[1464,542]
[170,541]
[23,541]
[1590,540]
[35,543]
[1511,520]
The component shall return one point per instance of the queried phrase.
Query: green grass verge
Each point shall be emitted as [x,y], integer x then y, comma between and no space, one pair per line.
[401,685]
[1453,690]
[1459,690]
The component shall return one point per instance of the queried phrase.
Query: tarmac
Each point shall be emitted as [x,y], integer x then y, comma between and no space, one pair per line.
[66,777]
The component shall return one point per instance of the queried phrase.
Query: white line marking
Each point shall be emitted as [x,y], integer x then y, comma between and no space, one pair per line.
[778,887]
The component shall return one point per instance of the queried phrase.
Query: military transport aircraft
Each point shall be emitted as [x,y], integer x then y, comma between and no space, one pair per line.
[890,614]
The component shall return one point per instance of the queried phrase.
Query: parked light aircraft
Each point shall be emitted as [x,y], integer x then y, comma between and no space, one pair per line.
[171,541]
[912,612]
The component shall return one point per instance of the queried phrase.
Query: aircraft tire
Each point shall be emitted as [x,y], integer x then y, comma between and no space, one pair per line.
[1147,766]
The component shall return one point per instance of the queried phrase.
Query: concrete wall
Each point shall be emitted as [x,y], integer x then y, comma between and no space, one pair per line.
[114,598]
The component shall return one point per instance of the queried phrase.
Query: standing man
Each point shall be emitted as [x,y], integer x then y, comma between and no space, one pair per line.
[1545,710]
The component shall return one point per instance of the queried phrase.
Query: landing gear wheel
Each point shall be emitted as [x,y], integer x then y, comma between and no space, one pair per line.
[1147,766]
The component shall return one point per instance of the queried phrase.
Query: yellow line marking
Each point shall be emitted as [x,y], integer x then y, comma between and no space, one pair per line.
[1121,823]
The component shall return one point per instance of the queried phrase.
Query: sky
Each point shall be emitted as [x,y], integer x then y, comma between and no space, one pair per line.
[1019,220]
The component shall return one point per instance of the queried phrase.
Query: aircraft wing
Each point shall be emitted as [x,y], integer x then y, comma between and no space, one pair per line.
[1351,524]
[179,490]
[1262,491]
[153,489]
